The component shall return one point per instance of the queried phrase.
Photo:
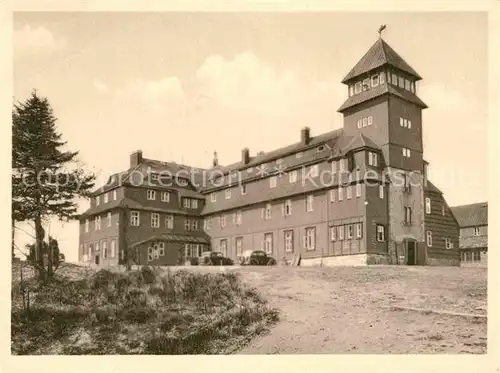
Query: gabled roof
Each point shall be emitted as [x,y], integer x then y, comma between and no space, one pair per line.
[378,55]
[355,142]
[475,214]
[202,238]
[378,91]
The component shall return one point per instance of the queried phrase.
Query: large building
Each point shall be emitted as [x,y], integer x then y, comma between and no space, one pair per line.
[473,222]
[356,195]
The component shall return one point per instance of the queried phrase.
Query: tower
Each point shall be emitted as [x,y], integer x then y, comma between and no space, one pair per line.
[383,106]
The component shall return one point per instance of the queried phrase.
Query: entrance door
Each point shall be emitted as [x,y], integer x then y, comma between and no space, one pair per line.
[411,253]
[97,259]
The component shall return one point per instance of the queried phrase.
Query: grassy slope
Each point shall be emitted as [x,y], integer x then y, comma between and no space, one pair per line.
[140,312]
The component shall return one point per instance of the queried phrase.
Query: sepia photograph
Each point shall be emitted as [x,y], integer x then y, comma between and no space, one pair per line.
[249,183]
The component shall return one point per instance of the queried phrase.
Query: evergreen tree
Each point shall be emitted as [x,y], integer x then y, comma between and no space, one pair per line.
[44,183]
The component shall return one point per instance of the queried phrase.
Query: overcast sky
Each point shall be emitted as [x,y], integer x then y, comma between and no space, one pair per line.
[180,86]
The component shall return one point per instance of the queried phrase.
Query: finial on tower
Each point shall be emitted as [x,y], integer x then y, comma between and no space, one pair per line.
[380,29]
[215,161]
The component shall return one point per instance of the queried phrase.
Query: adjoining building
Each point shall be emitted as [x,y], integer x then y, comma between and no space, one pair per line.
[473,222]
[353,196]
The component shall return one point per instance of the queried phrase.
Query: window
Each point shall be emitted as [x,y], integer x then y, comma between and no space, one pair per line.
[407,84]
[349,231]
[187,202]
[334,166]
[401,81]
[314,170]
[228,193]
[342,165]
[154,176]
[287,207]
[448,243]
[97,223]
[161,248]
[249,170]
[309,203]
[106,198]
[134,218]
[223,221]
[370,120]
[409,123]
[349,192]
[273,181]
[412,87]
[238,243]
[109,219]
[394,79]
[341,193]
[194,225]
[169,221]
[360,123]
[341,232]
[243,190]
[332,195]
[122,254]
[310,239]
[401,121]
[97,200]
[443,210]
[288,241]
[358,190]
[407,211]
[86,225]
[427,205]
[429,238]
[333,233]
[321,148]
[380,233]
[97,249]
[113,248]
[372,159]
[382,77]
[151,194]
[268,243]
[155,220]
[351,90]
[406,152]
[267,212]
[357,87]
[366,84]
[194,203]
[208,224]
[187,225]
[476,256]
[375,80]
[165,196]
[114,195]
[365,122]
[292,176]
[476,231]
[299,155]
[359,230]
[213,197]
[223,247]
[104,249]
[381,191]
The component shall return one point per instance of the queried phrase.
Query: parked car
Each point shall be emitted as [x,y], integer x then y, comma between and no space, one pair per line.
[256,258]
[214,258]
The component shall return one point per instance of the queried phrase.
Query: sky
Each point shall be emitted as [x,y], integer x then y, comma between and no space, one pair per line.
[180,86]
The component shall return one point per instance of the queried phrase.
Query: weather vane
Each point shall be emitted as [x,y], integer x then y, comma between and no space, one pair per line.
[380,29]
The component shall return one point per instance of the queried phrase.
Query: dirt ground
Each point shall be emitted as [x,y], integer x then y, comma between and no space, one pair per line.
[347,310]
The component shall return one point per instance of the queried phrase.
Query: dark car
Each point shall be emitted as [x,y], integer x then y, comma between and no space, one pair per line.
[214,258]
[256,258]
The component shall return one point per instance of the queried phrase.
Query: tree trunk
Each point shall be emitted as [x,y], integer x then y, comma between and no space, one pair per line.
[39,234]
[50,258]
[13,238]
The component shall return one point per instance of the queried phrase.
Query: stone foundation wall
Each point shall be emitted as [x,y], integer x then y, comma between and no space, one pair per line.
[332,261]
[443,262]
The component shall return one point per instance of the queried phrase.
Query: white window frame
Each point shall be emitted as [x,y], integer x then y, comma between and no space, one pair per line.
[104,249]
[333,233]
[223,221]
[288,237]
[87,225]
[401,121]
[165,196]
[292,176]
[349,192]
[135,218]
[357,87]
[273,181]
[351,90]
[382,77]
[268,212]
[359,230]
[381,191]
[187,225]
[341,193]
[332,195]
[448,243]
[310,203]
[238,244]
[227,193]
[365,122]
[360,123]
[268,242]
[428,235]
[108,217]
[155,220]
[370,120]
[380,233]
[194,203]
[428,206]
[350,231]
[97,223]
[314,170]
[223,246]
[97,200]
[213,197]
[114,195]
[194,225]
[394,79]
[409,123]
[375,80]
[334,166]
[113,248]
[169,221]
[239,218]
[358,189]
[287,207]
[476,231]
[243,190]
[407,215]
[366,84]
[208,224]
[310,238]
[341,232]
[151,195]
[106,198]
[407,85]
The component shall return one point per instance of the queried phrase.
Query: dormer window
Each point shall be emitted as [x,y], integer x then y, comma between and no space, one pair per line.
[375,80]
[366,84]
[407,84]
[401,82]
[382,77]
[412,87]
[394,79]
[351,90]
[357,88]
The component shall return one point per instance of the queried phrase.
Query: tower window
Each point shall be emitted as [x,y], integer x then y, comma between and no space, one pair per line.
[370,120]
[382,77]
[351,90]
[406,152]
[365,122]
[401,81]
[375,80]
[359,123]
[357,87]
[407,84]
[412,87]
[366,84]
[394,79]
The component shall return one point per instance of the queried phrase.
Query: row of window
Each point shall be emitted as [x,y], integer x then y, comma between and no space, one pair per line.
[447,241]
[428,207]
[192,250]
[366,121]
[346,231]
[470,256]
[189,225]
[97,222]
[151,195]
[371,82]
[105,197]
[406,123]
[94,248]
[406,152]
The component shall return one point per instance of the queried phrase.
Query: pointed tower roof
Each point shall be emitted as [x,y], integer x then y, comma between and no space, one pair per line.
[378,55]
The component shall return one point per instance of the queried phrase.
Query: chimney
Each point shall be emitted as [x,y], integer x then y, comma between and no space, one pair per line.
[245,156]
[305,135]
[135,158]
[215,162]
